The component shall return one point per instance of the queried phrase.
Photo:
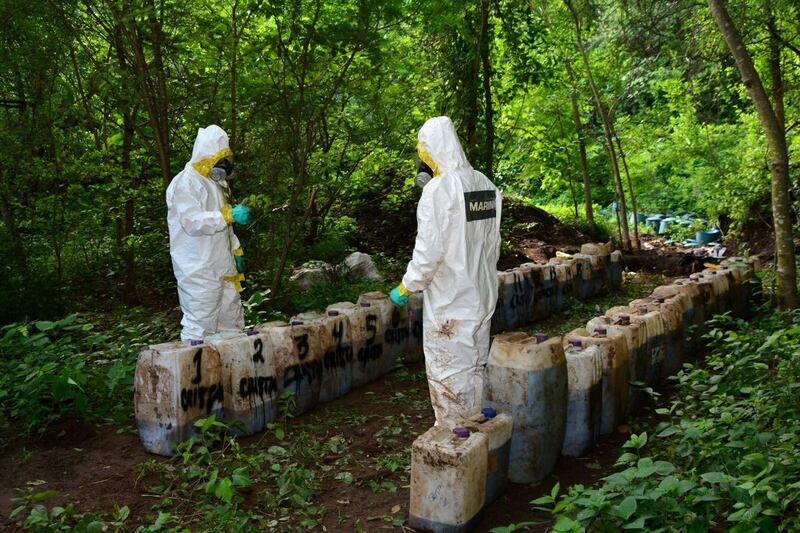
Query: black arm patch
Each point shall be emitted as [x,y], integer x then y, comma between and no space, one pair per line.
[480,205]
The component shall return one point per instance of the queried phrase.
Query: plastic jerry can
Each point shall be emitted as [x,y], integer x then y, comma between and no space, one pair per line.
[722,288]
[638,357]
[709,290]
[614,355]
[498,428]
[738,298]
[602,254]
[697,295]
[615,269]
[563,277]
[414,351]
[656,341]
[448,480]
[504,317]
[522,295]
[627,317]
[551,288]
[744,281]
[298,359]
[540,298]
[337,353]
[671,312]
[250,381]
[366,335]
[573,276]
[681,295]
[526,376]
[585,397]
[586,285]
[395,327]
[175,385]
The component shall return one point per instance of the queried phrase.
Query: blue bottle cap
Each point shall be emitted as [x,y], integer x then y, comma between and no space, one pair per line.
[333,312]
[195,342]
[251,332]
[489,412]
[297,322]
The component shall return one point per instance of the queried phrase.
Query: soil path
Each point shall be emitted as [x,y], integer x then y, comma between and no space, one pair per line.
[94,467]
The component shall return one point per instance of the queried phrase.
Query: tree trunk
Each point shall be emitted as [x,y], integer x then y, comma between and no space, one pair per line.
[587,184]
[779,159]
[485,48]
[636,241]
[234,74]
[601,108]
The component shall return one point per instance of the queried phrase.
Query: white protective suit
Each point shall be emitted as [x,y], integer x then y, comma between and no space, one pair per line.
[455,264]
[202,243]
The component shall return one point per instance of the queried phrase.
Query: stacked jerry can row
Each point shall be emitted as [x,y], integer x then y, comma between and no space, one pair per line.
[534,291]
[563,394]
[317,357]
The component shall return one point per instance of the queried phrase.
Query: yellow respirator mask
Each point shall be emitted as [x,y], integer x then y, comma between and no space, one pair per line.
[426,158]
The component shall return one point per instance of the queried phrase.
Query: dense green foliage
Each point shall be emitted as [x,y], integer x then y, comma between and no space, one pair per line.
[726,454]
[322,99]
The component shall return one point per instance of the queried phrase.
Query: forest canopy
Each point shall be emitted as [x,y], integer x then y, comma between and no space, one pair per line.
[322,100]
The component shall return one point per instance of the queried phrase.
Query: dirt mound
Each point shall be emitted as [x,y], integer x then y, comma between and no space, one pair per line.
[535,235]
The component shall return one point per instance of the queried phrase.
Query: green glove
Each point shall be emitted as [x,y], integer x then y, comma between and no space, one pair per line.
[241,214]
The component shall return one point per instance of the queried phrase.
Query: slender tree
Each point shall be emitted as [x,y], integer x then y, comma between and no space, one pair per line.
[607,128]
[779,158]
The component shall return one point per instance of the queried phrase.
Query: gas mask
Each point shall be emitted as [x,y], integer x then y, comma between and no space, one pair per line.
[222,171]
[424,174]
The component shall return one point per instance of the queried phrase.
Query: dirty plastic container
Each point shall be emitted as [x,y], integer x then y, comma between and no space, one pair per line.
[539,303]
[395,327]
[615,269]
[722,287]
[614,355]
[602,261]
[745,275]
[250,381]
[522,295]
[498,428]
[448,480]
[711,290]
[638,356]
[684,296]
[652,326]
[174,386]
[504,316]
[526,376]
[671,311]
[414,351]
[563,288]
[337,353]
[698,328]
[586,285]
[585,397]
[366,335]
[572,266]
[298,352]
[656,341]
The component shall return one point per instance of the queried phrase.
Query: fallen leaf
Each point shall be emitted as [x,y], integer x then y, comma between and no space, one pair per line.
[395,509]
[624,429]
[343,502]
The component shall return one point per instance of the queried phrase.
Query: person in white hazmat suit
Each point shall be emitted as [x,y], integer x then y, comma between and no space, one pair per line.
[206,255]
[455,265]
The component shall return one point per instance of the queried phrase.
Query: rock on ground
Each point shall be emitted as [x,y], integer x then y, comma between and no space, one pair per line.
[359,265]
[312,273]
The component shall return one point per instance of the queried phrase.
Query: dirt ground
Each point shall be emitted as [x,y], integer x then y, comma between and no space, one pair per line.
[94,467]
